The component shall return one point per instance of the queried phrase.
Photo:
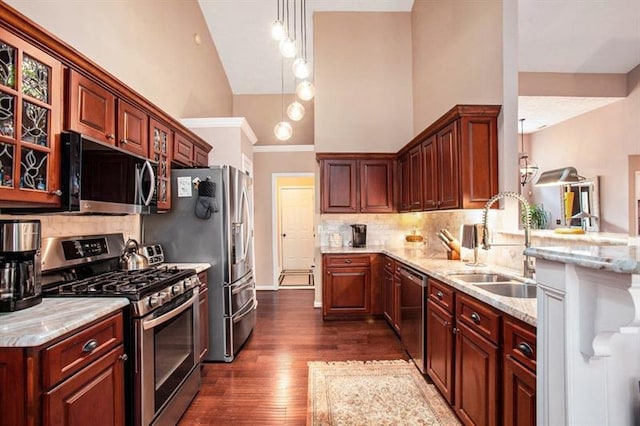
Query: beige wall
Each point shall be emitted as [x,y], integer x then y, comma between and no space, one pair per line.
[149,47]
[265,164]
[567,84]
[362,73]
[457,56]
[596,143]
[263,112]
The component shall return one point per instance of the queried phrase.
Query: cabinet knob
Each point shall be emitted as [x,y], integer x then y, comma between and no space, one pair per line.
[90,345]
[454,330]
[475,317]
[123,141]
[123,357]
[111,136]
[439,295]
[57,193]
[347,261]
[525,349]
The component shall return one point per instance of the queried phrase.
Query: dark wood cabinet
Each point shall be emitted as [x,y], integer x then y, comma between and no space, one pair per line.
[339,186]
[430,180]
[376,186]
[94,396]
[356,184]
[519,384]
[91,108]
[133,129]
[391,286]
[439,353]
[415,179]
[448,170]
[63,383]
[160,150]
[187,153]
[404,183]
[30,123]
[204,315]
[476,376]
[347,286]
[458,155]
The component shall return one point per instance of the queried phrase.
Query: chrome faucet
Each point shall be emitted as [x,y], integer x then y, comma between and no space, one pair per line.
[529,268]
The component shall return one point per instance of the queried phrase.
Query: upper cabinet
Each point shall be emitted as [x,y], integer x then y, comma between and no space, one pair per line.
[30,123]
[356,183]
[187,153]
[96,112]
[45,87]
[160,149]
[458,161]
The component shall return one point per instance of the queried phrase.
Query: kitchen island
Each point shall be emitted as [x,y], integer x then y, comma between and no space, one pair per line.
[588,327]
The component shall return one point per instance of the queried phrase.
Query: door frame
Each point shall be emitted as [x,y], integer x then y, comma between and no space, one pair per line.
[275,219]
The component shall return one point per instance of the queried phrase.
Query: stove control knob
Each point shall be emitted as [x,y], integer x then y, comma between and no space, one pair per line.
[164,296]
[188,283]
[176,289]
[154,300]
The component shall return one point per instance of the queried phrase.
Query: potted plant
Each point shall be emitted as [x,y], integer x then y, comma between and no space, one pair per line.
[539,216]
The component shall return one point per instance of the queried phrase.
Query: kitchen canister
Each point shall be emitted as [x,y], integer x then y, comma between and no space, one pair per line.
[335,240]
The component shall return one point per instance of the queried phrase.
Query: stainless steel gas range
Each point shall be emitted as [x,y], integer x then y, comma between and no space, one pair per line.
[161,323]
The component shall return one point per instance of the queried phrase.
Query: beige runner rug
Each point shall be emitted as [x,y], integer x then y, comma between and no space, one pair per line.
[373,393]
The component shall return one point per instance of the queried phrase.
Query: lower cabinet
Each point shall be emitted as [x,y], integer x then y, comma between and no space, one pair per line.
[77,380]
[204,315]
[391,293]
[519,384]
[94,396]
[347,286]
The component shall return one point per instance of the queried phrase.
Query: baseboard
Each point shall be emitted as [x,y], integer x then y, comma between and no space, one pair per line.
[269,287]
[317,304]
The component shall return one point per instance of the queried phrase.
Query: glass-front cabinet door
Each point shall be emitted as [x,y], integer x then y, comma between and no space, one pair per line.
[161,141]
[30,123]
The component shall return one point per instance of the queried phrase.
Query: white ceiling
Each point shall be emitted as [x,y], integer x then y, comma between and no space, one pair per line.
[241,32]
[571,36]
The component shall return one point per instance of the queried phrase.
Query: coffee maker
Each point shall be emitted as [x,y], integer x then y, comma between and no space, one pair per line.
[20,278]
[359,235]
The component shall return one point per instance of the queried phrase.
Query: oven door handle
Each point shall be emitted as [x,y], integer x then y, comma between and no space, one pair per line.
[148,324]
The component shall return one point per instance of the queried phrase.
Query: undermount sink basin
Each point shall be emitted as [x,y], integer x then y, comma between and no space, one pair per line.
[519,290]
[481,277]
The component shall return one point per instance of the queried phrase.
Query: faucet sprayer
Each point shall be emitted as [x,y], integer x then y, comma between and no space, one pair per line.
[529,268]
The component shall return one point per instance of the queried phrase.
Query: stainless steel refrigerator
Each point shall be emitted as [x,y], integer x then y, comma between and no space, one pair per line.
[210,221]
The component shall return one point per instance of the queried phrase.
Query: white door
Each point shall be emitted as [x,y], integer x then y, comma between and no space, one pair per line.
[296,227]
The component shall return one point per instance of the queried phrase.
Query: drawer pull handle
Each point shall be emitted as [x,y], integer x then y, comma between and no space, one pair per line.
[90,345]
[440,295]
[475,317]
[525,349]
[347,261]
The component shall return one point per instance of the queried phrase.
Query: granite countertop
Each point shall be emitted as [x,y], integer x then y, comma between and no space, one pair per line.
[55,316]
[199,267]
[437,266]
[621,259]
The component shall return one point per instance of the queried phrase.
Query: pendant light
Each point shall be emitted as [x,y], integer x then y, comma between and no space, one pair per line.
[283,129]
[295,111]
[277,27]
[288,46]
[305,90]
[528,168]
[301,66]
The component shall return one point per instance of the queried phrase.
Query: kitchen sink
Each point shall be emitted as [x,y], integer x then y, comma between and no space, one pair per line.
[510,289]
[481,277]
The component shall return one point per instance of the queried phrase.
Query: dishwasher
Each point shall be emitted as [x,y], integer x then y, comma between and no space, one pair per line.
[413,286]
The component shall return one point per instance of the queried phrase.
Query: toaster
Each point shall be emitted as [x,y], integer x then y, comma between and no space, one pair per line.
[153,253]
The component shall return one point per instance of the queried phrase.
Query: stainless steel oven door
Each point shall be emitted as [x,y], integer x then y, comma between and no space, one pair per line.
[167,347]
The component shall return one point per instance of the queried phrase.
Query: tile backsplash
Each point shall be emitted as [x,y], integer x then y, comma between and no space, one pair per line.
[63,225]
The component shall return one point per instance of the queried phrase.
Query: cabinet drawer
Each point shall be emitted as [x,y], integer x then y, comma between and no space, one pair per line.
[478,317]
[389,264]
[346,260]
[520,342]
[75,352]
[441,295]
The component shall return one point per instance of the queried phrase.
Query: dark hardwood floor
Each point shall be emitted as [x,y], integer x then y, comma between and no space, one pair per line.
[267,382]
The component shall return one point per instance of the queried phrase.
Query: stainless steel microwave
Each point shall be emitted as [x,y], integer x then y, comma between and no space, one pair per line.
[100,178]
